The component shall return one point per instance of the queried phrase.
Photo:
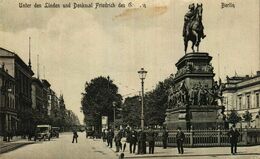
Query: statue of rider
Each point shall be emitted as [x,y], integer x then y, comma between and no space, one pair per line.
[189,16]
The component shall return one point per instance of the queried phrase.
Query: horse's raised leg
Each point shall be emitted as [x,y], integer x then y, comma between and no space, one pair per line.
[198,48]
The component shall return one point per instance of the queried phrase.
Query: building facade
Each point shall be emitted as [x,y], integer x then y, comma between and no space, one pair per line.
[53,104]
[38,102]
[243,94]
[46,93]
[8,112]
[23,80]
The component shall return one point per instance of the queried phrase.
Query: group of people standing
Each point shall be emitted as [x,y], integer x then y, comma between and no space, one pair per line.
[129,136]
[138,140]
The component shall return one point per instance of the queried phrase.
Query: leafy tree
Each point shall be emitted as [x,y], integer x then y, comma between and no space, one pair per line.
[156,105]
[233,117]
[98,98]
[131,111]
[247,117]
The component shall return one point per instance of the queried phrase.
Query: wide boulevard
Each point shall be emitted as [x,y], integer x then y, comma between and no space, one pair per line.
[63,148]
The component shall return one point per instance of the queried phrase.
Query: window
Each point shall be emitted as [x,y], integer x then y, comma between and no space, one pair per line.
[240,102]
[257,100]
[248,101]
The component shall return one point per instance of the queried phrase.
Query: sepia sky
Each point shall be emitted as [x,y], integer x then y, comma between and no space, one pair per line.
[77,45]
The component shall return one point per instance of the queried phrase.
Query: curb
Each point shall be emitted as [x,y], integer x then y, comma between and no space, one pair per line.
[185,155]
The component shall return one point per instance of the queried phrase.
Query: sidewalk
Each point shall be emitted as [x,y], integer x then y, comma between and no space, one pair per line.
[14,144]
[216,152]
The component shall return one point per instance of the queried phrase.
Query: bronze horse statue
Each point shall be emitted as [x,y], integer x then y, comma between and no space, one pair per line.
[195,28]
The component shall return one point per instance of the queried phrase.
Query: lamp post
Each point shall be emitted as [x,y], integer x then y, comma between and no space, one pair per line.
[114,106]
[142,73]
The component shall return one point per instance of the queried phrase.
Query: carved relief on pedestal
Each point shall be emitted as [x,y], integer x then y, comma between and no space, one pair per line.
[190,67]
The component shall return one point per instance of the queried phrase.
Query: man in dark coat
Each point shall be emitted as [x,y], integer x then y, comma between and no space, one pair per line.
[142,142]
[151,140]
[180,139]
[110,136]
[104,136]
[165,138]
[75,136]
[233,136]
[132,140]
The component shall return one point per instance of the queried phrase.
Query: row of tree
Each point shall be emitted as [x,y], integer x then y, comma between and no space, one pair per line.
[155,105]
[247,117]
[101,98]
[59,117]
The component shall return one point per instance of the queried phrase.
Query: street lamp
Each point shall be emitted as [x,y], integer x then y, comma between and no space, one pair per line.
[114,106]
[142,73]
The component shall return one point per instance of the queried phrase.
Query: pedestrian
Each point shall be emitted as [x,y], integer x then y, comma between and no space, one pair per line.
[126,138]
[233,136]
[151,140]
[132,140]
[110,136]
[107,136]
[117,139]
[180,139]
[124,141]
[104,137]
[75,136]
[142,142]
[165,137]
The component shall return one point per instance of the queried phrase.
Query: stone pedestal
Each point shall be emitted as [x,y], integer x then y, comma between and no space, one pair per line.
[192,101]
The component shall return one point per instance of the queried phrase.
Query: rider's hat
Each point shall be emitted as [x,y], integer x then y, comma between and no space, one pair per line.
[191,6]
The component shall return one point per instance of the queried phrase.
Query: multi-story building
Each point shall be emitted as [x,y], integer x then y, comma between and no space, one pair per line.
[38,102]
[242,94]
[46,93]
[54,104]
[23,79]
[47,96]
[8,112]
[62,106]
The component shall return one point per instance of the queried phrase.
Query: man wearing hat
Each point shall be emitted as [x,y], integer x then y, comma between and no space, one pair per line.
[233,136]
[180,139]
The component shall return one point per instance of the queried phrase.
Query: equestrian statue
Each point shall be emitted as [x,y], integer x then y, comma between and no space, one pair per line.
[193,27]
